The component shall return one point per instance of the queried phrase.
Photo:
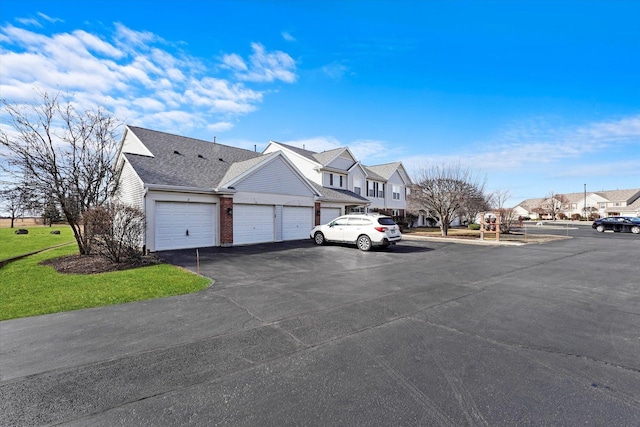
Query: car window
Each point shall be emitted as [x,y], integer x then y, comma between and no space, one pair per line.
[386,221]
[635,220]
[359,221]
[339,221]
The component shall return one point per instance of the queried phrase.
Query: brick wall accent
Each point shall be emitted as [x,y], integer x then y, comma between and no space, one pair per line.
[317,213]
[226,222]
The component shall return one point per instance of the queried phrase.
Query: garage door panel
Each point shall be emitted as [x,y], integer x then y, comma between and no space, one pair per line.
[329,214]
[296,222]
[253,224]
[184,225]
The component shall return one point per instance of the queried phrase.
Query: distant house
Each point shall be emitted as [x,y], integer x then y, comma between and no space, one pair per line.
[348,186]
[600,204]
[199,193]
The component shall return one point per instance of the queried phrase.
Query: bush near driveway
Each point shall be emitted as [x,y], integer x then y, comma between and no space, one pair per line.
[29,289]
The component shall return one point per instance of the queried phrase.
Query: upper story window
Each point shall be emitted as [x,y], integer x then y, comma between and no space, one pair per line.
[396,192]
[330,179]
[357,186]
[375,189]
[341,185]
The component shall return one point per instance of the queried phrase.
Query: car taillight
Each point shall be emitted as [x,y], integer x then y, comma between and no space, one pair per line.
[381,229]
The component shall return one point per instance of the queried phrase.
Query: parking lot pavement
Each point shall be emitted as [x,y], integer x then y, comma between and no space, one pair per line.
[422,334]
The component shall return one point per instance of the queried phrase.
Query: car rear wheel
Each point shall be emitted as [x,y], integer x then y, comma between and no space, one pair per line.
[600,228]
[319,238]
[635,229]
[364,243]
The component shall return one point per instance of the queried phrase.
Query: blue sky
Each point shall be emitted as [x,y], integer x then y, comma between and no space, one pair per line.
[538,96]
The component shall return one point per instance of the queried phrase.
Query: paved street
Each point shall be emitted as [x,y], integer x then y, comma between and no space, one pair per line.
[426,333]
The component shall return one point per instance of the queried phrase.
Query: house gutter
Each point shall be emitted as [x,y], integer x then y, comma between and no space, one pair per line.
[180,189]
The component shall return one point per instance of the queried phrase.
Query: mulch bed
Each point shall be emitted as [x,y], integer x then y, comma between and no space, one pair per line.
[93,264]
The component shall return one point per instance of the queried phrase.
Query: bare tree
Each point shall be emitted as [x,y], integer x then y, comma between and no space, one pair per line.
[65,153]
[13,202]
[476,202]
[506,215]
[553,204]
[443,190]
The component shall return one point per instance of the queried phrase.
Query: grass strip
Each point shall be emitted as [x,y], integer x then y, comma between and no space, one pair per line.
[39,238]
[29,289]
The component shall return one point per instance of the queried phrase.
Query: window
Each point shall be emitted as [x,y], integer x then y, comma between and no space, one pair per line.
[396,192]
[330,179]
[357,186]
[375,189]
[340,181]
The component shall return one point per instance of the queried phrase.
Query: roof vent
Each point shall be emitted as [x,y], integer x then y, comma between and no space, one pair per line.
[200,156]
[221,159]
[176,152]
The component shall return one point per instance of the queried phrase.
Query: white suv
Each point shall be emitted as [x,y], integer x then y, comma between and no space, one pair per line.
[364,230]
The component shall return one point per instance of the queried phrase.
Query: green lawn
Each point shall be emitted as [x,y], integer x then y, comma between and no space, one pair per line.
[29,289]
[12,244]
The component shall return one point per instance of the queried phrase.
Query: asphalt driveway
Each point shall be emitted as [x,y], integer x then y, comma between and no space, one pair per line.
[426,333]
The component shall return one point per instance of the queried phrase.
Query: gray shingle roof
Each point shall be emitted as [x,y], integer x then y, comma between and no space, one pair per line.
[305,153]
[386,170]
[325,157]
[183,161]
[338,195]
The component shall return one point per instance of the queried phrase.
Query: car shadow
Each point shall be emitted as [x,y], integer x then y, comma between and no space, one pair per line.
[397,248]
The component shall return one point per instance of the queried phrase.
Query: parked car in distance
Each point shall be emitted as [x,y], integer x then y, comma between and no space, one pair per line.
[617,224]
[364,230]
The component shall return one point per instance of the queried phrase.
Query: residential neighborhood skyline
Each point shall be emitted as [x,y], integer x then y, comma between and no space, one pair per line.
[540,97]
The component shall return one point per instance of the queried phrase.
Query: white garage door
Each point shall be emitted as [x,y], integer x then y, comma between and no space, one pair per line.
[328,214]
[184,225]
[297,222]
[253,224]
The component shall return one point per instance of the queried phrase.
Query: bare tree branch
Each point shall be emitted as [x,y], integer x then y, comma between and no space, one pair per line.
[445,191]
[66,154]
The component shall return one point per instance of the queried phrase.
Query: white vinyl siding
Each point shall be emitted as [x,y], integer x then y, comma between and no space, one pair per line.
[277,178]
[131,187]
[342,163]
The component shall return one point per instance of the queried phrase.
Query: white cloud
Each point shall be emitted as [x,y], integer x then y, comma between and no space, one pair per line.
[288,37]
[49,18]
[268,66]
[139,76]
[335,70]
[235,62]
[29,22]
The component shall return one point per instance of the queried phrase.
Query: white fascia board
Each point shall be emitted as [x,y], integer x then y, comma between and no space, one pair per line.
[179,189]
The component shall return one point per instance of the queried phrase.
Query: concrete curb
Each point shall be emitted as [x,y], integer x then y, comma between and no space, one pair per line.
[462,241]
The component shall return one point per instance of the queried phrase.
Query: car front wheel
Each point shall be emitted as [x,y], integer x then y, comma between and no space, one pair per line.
[635,229]
[600,228]
[364,243]
[319,238]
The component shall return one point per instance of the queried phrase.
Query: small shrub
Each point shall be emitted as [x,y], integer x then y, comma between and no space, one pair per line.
[474,226]
[115,231]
